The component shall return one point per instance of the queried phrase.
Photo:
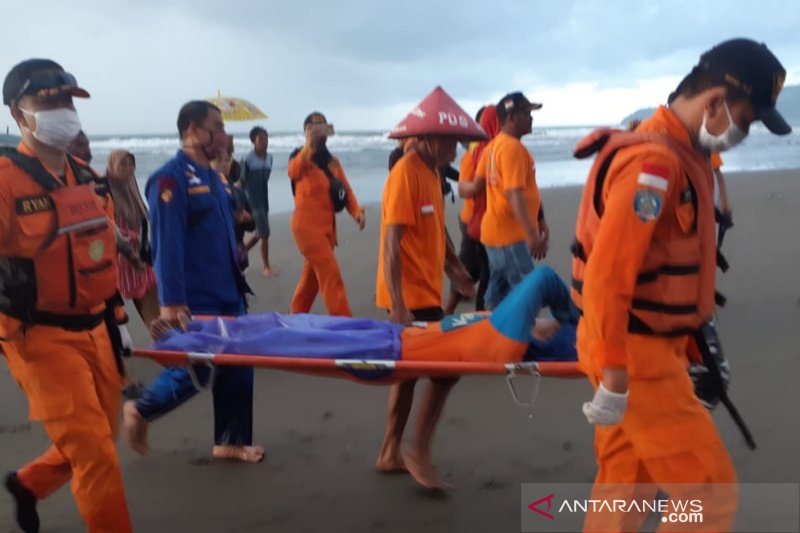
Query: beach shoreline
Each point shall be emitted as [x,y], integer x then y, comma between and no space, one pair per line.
[322,435]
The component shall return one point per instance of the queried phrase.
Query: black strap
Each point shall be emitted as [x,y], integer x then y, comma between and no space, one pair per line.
[637,326]
[703,337]
[577,250]
[68,322]
[34,168]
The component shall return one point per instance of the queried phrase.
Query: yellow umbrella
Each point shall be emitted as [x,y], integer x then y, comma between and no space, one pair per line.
[236,109]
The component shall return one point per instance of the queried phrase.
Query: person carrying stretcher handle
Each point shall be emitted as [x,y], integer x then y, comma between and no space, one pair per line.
[644,277]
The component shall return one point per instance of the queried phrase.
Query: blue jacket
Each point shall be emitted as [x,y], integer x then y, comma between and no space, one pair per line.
[194,248]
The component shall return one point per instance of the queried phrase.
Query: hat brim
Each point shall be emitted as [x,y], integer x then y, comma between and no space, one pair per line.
[79,92]
[535,106]
[774,121]
[72,90]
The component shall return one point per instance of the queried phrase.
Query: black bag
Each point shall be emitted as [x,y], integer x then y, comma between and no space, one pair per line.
[338,191]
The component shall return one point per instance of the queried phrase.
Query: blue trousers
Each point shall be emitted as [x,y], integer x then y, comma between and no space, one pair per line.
[508,266]
[233,398]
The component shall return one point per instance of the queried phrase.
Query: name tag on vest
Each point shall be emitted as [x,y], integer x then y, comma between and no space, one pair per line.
[33,204]
[426,209]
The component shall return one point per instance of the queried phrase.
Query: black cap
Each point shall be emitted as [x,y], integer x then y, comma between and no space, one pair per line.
[35,76]
[315,117]
[513,102]
[752,70]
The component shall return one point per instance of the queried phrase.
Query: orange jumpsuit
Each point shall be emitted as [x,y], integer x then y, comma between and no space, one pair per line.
[70,377]
[314,228]
[666,435]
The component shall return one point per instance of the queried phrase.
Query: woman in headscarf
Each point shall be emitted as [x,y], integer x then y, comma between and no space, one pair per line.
[137,280]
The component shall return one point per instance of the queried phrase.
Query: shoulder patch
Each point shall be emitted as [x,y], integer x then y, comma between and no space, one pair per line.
[647,204]
[167,183]
[166,188]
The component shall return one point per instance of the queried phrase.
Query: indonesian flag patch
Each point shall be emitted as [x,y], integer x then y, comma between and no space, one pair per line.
[649,199]
[654,176]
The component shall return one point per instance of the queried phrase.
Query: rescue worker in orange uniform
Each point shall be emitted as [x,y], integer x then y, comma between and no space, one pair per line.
[316,176]
[57,248]
[644,277]
[413,256]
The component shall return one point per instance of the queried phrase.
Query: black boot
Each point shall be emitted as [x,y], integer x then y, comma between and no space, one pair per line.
[27,517]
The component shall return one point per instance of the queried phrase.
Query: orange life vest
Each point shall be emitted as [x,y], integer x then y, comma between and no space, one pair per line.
[73,271]
[675,288]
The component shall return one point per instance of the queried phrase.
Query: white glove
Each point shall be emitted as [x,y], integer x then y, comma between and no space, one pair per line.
[127,341]
[606,408]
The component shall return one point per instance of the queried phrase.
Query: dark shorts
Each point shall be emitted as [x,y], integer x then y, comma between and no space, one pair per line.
[470,253]
[428,314]
[262,222]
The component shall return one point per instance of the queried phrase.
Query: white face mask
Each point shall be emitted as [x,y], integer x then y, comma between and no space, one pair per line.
[55,127]
[729,138]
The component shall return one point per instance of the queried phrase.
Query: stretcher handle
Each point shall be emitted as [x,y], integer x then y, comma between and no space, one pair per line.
[537,379]
[192,370]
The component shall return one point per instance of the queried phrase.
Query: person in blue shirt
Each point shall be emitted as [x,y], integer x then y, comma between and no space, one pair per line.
[196,264]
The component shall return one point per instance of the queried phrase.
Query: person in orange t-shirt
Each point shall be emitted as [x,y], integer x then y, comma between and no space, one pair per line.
[413,254]
[656,201]
[513,228]
[314,219]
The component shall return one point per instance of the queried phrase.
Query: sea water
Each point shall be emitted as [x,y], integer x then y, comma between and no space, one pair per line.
[364,156]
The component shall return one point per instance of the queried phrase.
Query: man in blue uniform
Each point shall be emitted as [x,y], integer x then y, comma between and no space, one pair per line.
[196,265]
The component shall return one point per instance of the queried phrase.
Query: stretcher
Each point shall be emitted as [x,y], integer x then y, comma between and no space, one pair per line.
[217,341]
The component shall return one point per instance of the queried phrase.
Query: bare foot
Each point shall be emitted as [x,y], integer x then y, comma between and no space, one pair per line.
[135,428]
[270,272]
[545,329]
[391,464]
[424,473]
[245,454]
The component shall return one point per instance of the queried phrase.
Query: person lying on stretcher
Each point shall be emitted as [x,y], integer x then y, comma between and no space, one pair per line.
[512,333]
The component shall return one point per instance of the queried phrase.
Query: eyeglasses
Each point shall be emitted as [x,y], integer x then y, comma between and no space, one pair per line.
[47,83]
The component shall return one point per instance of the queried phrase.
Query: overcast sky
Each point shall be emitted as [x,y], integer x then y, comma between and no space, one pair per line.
[365,64]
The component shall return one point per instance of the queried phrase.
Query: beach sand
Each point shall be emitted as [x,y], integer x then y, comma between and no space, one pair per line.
[322,435]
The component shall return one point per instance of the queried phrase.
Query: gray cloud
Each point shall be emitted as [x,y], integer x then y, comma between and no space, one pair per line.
[143,59]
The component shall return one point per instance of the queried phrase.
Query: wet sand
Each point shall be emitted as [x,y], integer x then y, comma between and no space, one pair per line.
[322,435]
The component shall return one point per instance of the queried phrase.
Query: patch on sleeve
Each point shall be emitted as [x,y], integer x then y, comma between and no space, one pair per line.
[166,186]
[654,176]
[647,204]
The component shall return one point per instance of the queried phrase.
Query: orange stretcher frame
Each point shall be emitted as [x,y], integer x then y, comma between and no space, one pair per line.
[349,368]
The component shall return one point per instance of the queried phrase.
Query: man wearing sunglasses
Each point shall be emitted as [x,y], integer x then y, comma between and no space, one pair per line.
[58,262]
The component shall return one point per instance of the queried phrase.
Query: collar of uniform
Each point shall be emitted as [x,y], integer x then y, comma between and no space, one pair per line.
[24,149]
[184,159]
[664,121]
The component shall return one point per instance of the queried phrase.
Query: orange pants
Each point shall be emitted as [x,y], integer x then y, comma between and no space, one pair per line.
[666,439]
[320,273]
[73,388]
